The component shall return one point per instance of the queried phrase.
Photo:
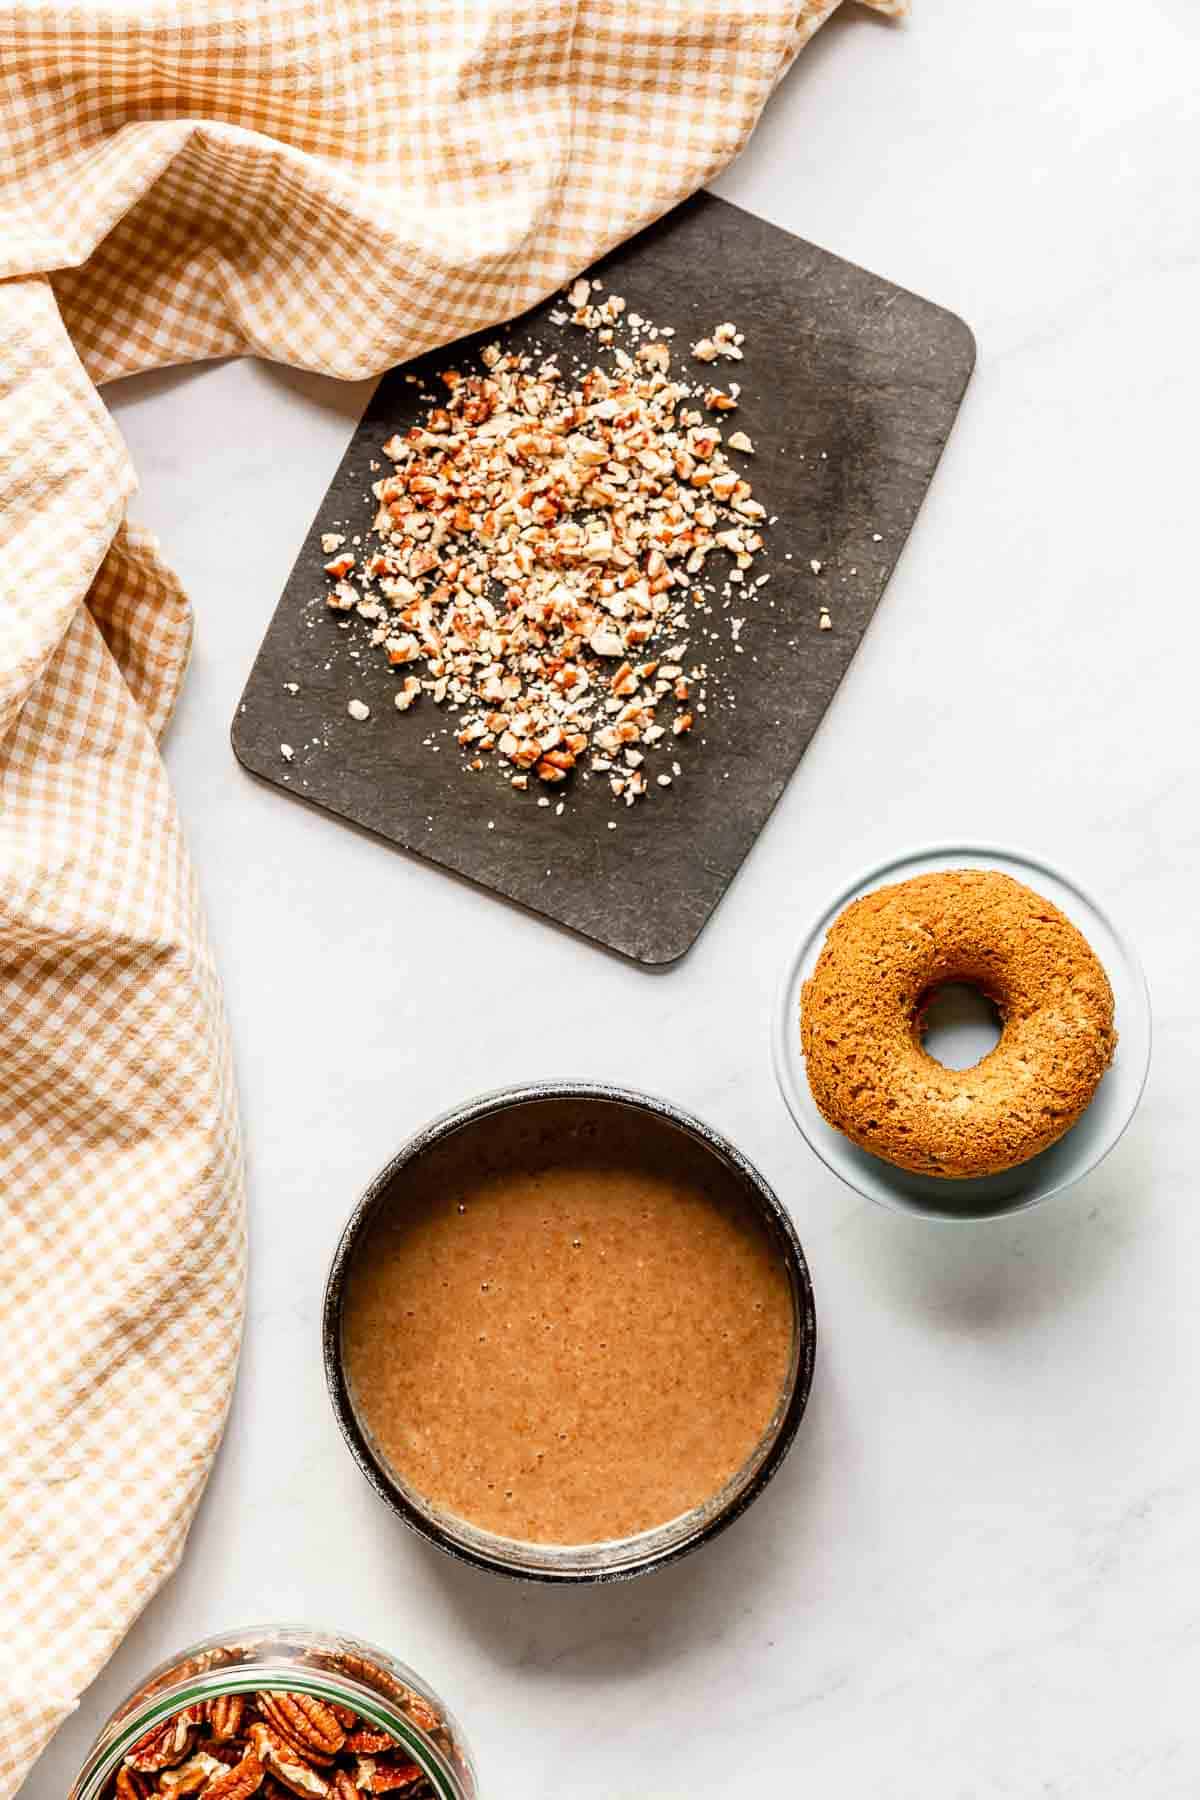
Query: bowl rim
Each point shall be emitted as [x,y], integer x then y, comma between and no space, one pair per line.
[788,1062]
[470,1112]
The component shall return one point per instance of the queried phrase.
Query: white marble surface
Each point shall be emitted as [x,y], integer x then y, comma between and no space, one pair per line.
[976,1575]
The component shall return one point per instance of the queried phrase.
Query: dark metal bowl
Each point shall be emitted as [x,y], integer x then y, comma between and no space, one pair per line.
[618,1559]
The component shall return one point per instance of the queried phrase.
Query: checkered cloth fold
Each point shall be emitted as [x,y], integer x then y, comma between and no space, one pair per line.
[339,184]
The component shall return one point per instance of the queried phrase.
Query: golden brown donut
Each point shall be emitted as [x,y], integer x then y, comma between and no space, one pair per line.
[862,1009]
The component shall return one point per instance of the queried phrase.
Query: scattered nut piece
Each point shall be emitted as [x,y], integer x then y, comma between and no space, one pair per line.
[358,709]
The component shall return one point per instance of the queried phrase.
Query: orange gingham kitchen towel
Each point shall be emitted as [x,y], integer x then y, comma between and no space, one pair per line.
[338,184]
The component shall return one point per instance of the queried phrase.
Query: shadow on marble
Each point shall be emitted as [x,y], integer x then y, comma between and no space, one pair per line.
[1002,1274]
[349,398]
[326,392]
[130,390]
[830,45]
[692,1608]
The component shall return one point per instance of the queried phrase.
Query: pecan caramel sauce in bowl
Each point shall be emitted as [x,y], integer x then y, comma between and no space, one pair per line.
[569,1332]
[278,1710]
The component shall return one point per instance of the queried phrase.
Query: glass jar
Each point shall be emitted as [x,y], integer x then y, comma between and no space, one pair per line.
[340,1671]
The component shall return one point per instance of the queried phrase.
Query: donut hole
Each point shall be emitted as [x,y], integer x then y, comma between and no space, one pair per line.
[958,1024]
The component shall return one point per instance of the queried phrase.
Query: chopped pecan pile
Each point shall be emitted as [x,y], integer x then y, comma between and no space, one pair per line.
[545,543]
[273,1744]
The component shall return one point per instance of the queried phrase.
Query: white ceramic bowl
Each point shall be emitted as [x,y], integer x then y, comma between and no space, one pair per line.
[1073,1156]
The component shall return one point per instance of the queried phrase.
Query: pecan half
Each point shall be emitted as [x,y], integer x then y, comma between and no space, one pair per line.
[238,1783]
[359,1669]
[306,1721]
[369,1742]
[165,1745]
[191,1777]
[284,1761]
[418,1710]
[225,1716]
[393,1777]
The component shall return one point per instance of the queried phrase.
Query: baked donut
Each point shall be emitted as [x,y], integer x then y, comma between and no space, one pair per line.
[862,1010]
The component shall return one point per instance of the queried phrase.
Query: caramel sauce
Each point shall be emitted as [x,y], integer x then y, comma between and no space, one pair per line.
[567,1324]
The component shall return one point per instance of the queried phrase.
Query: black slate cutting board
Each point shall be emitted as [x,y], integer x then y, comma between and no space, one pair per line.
[849,390]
